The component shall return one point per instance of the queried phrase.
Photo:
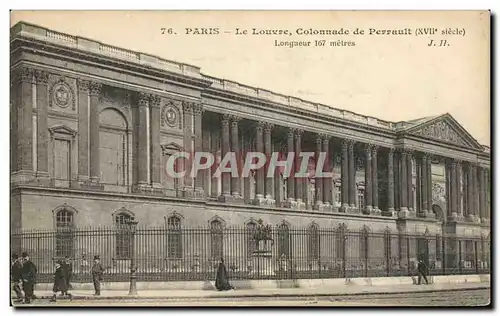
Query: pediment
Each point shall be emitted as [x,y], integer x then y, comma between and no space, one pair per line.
[446,129]
[62,129]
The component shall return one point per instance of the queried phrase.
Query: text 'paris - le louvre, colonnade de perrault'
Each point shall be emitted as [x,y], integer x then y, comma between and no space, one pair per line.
[92,127]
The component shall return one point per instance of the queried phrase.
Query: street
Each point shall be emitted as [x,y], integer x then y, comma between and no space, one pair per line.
[453,298]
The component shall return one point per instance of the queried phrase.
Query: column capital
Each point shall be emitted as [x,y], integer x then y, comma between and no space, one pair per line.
[24,74]
[234,120]
[187,107]
[95,88]
[83,85]
[368,148]
[268,127]
[290,132]
[374,149]
[319,138]
[144,99]
[298,132]
[198,108]
[326,139]
[42,77]
[391,151]
[225,119]
[155,101]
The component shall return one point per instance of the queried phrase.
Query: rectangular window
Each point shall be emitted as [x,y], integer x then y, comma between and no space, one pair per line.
[61,168]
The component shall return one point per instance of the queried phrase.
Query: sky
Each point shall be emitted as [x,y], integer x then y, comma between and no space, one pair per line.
[391,77]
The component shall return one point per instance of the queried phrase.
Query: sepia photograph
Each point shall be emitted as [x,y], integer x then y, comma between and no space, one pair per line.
[250,158]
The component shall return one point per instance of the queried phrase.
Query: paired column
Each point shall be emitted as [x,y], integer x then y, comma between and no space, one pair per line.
[95,90]
[423,185]
[429,183]
[352,175]
[482,195]
[409,183]
[269,183]
[375,179]
[390,181]
[318,181]
[42,102]
[291,177]
[155,102]
[404,184]
[226,177]
[259,147]
[470,192]
[235,148]
[298,180]
[214,144]
[327,181]
[344,173]
[368,179]
[453,190]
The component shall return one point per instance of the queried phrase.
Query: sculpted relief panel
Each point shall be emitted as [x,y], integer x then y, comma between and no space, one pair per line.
[438,193]
[441,131]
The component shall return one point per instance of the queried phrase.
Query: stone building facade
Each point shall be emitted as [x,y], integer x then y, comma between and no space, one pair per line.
[92,127]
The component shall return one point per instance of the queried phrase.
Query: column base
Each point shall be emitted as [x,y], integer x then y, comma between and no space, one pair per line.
[225,198]
[485,221]
[470,218]
[344,208]
[367,210]
[141,188]
[390,213]
[453,217]
[326,208]
[354,210]
[404,213]
[376,212]
[22,177]
[318,205]
[43,178]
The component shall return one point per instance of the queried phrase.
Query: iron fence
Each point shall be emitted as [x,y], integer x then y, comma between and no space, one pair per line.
[181,254]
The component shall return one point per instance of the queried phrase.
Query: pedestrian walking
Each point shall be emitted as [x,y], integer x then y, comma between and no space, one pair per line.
[60,281]
[16,273]
[97,275]
[222,279]
[29,278]
[67,266]
[422,272]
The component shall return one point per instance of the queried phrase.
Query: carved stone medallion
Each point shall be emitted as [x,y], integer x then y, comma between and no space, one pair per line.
[62,95]
[170,115]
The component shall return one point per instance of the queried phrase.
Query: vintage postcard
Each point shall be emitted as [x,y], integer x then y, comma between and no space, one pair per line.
[250,158]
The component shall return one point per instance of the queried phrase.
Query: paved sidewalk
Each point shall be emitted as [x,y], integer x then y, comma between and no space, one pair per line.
[288,292]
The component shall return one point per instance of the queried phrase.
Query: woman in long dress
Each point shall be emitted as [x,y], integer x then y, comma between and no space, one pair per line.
[222,280]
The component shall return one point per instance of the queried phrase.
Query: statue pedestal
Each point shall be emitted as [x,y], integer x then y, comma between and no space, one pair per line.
[262,259]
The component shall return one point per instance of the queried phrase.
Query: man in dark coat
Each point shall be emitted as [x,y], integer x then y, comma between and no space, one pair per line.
[97,275]
[29,278]
[60,282]
[16,272]
[68,271]
[422,271]
[222,279]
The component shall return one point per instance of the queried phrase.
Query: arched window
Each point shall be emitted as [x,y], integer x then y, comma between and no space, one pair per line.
[284,241]
[123,235]
[65,234]
[113,148]
[216,239]
[251,243]
[313,243]
[174,237]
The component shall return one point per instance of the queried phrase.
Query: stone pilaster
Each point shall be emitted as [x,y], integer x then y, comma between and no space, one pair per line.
[344,173]
[390,183]
[198,146]
[83,131]
[375,181]
[42,101]
[269,183]
[291,178]
[486,195]
[481,190]
[459,190]
[95,91]
[154,121]
[327,181]
[318,181]
[24,132]
[352,177]
[142,137]
[260,174]
[226,177]
[470,193]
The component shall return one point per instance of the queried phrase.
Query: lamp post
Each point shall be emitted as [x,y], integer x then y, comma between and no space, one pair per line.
[132,225]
